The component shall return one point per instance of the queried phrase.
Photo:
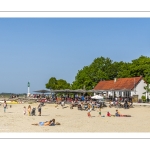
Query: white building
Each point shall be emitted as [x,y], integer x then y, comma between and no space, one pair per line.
[123,87]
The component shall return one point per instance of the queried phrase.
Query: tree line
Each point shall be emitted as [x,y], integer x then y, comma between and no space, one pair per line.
[104,69]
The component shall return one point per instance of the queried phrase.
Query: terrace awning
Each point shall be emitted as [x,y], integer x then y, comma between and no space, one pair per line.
[42,91]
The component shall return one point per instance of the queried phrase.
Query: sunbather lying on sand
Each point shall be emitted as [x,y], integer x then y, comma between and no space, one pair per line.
[47,123]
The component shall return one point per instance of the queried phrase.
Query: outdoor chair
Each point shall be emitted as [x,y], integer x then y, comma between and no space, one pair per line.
[131,105]
[126,106]
[120,105]
[71,106]
[79,107]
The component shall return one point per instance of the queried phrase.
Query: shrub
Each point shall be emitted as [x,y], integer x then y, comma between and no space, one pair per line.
[143,98]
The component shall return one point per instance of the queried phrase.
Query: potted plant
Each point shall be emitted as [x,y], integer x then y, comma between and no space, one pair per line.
[143,98]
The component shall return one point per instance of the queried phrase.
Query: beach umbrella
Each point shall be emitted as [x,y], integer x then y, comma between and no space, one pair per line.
[97,97]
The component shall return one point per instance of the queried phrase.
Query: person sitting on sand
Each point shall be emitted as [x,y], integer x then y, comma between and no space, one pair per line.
[121,115]
[108,114]
[47,123]
[117,113]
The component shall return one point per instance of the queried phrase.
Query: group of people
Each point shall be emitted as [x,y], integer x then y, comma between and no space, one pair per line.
[126,104]
[117,114]
[31,111]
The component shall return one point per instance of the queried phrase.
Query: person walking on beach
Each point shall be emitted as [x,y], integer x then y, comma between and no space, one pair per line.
[39,109]
[5,106]
[89,110]
[62,104]
[29,110]
[89,113]
[99,112]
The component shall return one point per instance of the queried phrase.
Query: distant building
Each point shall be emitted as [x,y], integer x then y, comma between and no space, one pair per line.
[123,87]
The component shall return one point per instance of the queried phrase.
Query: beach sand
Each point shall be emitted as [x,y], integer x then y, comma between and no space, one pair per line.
[74,120]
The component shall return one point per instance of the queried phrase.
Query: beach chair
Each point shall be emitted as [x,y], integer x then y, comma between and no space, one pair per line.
[79,107]
[120,105]
[71,106]
[131,105]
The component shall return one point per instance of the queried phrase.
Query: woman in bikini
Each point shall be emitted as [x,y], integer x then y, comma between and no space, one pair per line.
[47,123]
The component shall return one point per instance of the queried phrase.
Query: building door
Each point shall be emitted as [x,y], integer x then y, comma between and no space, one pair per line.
[135,98]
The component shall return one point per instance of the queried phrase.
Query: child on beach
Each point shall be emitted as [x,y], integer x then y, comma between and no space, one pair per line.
[117,113]
[24,110]
[29,110]
[62,104]
[99,112]
[108,114]
[5,106]
[89,110]
[89,113]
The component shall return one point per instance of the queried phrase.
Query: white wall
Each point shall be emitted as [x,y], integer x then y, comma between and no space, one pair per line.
[140,89]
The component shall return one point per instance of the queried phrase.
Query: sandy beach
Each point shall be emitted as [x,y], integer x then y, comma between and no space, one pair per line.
[74,120]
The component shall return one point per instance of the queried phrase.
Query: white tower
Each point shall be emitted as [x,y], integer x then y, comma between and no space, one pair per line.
[28,89]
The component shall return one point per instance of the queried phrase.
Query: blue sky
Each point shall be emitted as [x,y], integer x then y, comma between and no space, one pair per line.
[36,49]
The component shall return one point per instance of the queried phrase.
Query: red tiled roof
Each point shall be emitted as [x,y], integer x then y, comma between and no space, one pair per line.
[120,84]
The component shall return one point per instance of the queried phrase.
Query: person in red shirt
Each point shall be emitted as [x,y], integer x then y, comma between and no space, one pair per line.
[108,114]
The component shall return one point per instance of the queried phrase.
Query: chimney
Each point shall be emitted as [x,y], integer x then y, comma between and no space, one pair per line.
[115,79]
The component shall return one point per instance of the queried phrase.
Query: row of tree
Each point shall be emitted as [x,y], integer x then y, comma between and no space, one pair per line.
[104,69]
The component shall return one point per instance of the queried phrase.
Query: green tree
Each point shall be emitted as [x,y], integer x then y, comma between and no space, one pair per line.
[123,69]
[62,84]
[141,67]
[82,78]
[89,76]
[55,84]
[52,83]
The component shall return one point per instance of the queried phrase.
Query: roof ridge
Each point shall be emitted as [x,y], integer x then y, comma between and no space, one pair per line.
[120,83]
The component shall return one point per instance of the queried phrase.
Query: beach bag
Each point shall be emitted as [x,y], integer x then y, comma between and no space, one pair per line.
[57,123]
